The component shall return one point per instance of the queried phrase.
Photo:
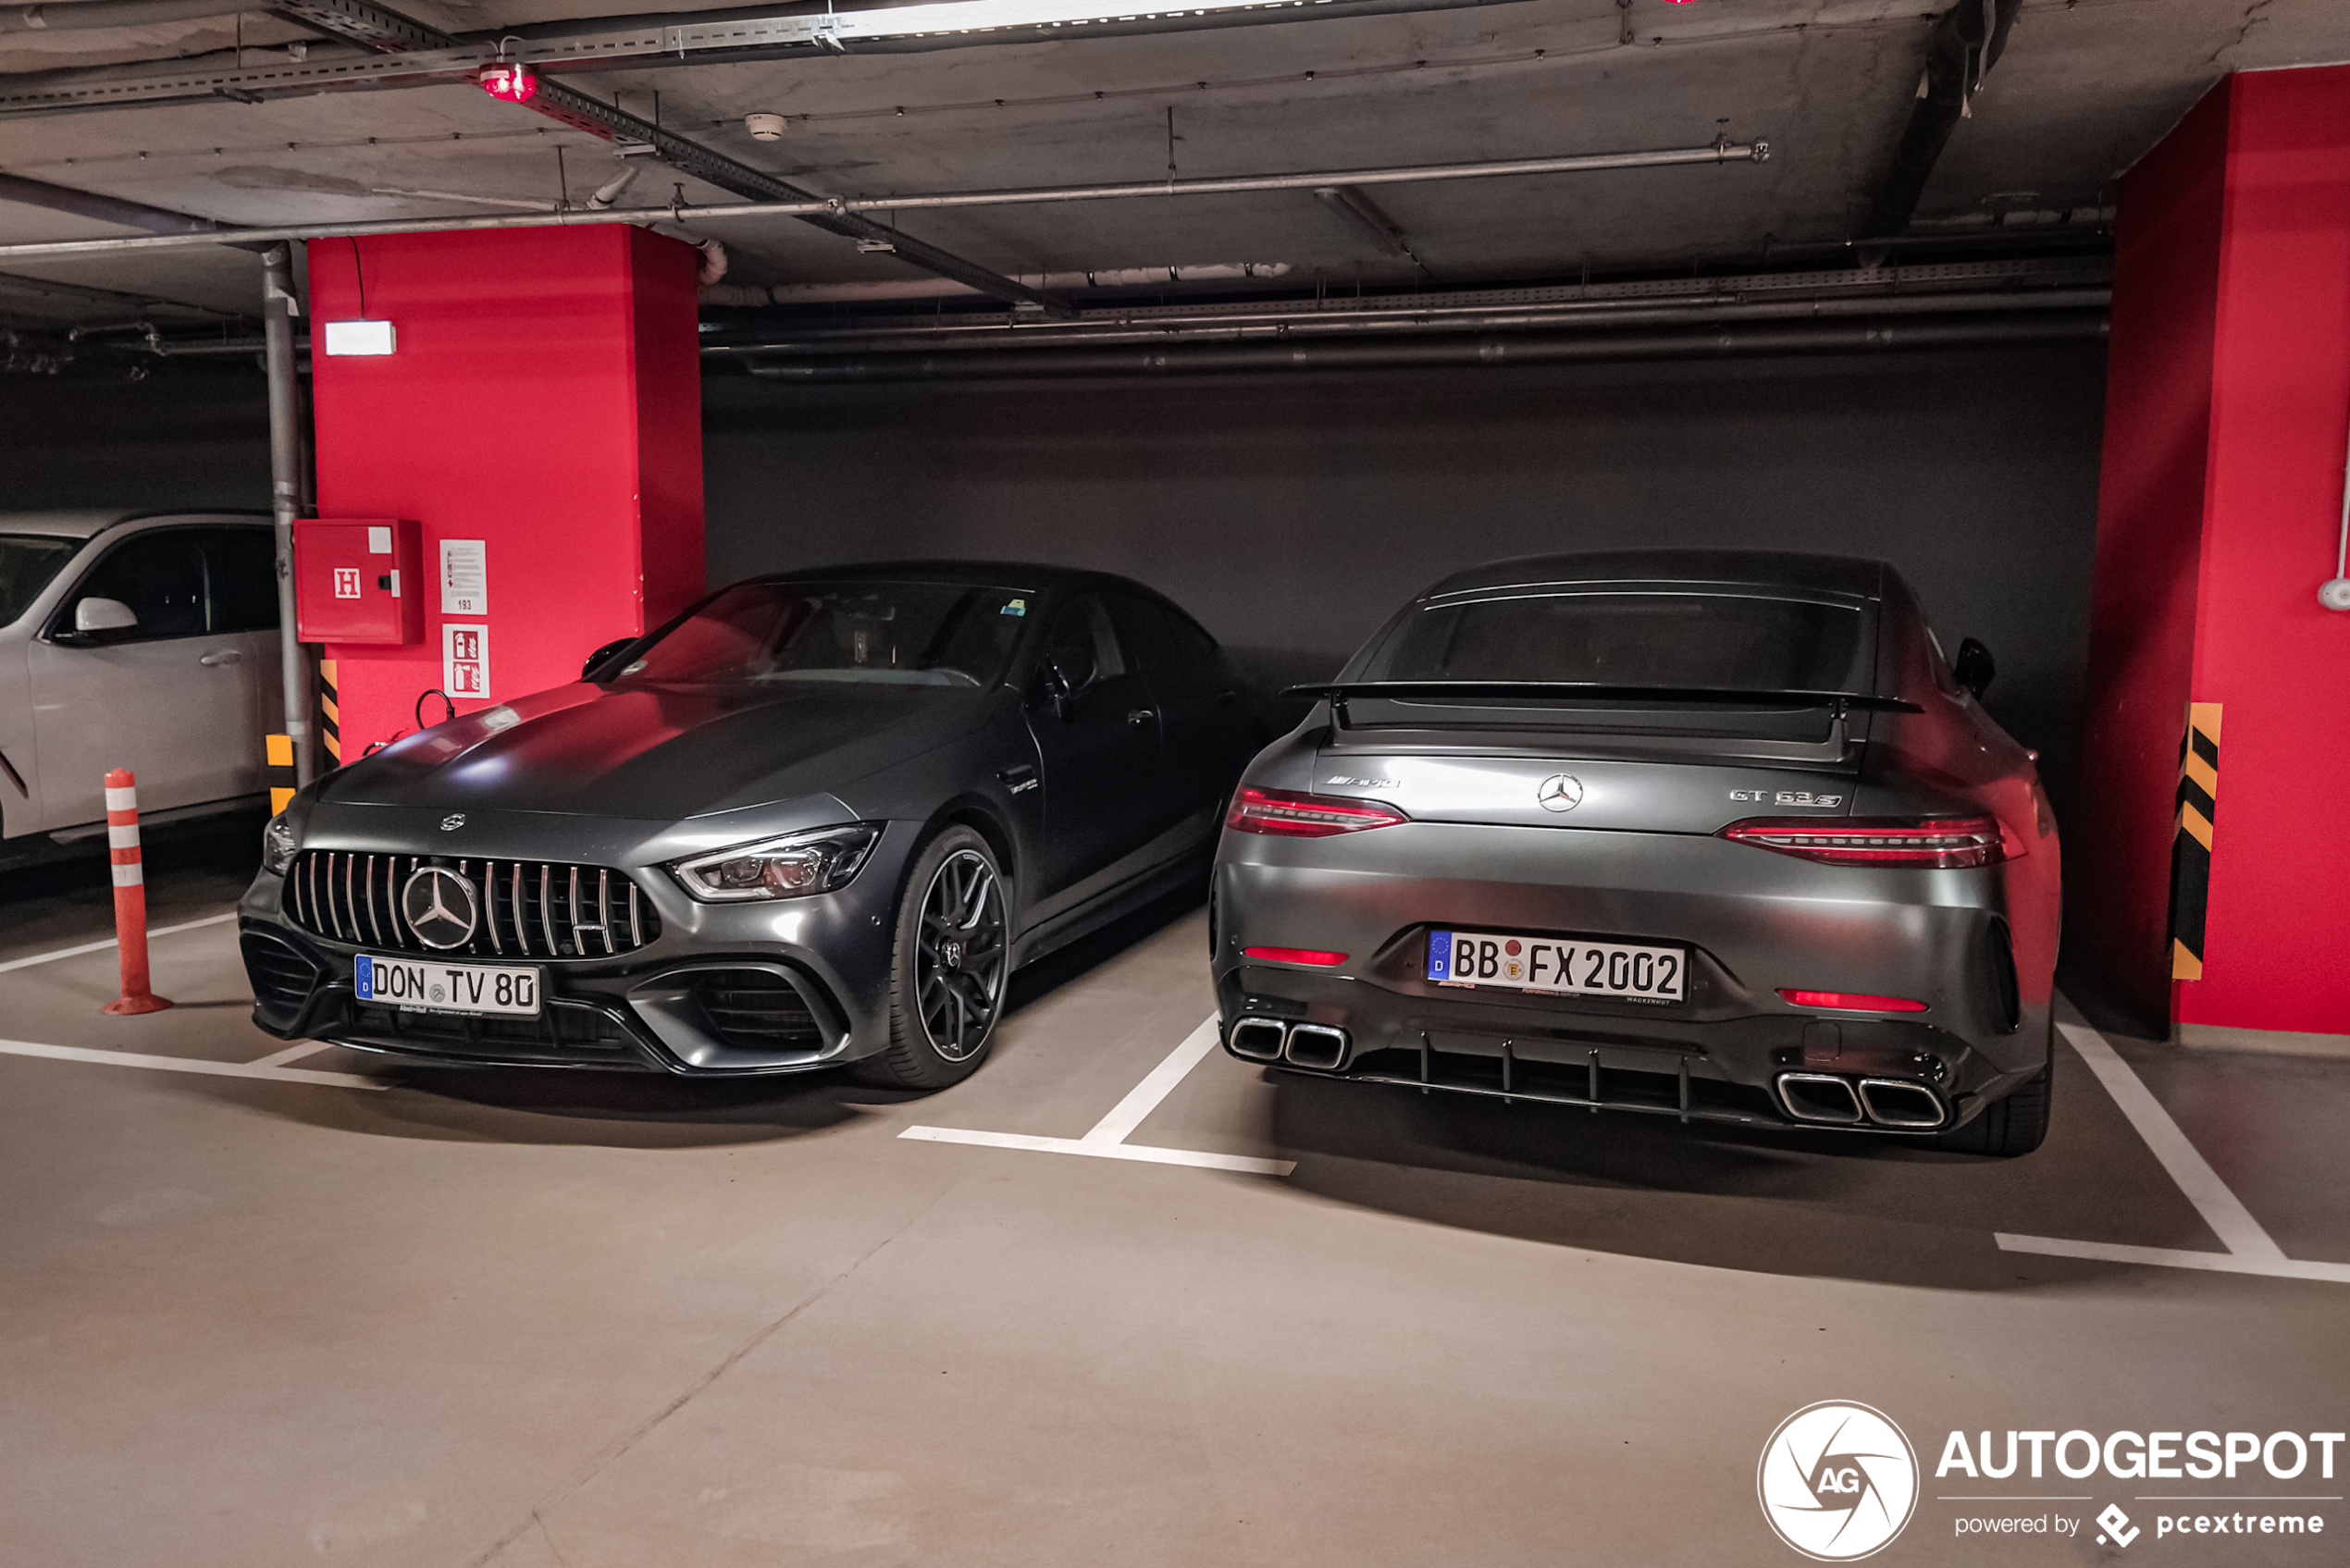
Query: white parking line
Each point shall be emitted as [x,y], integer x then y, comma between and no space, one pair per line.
[184,1064]
[292,1052]
[1107,1139]
[2251,1250]
[109,942]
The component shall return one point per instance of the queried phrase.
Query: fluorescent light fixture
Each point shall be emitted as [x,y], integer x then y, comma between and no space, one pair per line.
[359,337]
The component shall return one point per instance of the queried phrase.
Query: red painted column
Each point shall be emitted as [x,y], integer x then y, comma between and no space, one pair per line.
[543,398]
[2228,408]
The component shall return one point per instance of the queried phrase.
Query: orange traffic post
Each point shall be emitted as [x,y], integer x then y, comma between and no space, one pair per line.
[129,895]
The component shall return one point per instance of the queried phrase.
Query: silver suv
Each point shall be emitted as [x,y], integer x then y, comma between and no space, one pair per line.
[130,640]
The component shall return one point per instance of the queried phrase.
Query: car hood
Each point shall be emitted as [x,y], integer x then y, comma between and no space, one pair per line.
[659,753]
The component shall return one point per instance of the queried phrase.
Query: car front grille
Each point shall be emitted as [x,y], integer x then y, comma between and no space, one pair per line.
[755,1010]
[524,908]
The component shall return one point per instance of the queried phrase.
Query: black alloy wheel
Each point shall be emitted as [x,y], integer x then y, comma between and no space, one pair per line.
[947,976]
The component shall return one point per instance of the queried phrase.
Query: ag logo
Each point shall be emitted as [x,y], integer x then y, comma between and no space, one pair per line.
[1559,792]
[1838,1481]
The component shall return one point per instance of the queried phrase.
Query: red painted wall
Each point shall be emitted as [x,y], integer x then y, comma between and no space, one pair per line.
[545,397]
[2142,606]
[2278,956]
[2227,407]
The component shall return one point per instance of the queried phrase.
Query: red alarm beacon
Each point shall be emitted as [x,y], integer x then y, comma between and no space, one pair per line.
[511,81]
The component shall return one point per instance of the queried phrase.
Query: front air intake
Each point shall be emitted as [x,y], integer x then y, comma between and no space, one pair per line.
[1257,1039]
[1891,1101]
[1818,1097]
[1317,1045]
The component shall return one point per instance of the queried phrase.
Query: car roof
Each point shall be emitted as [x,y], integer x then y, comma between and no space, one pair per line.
[1025,574]
[89,522]
[1856,575]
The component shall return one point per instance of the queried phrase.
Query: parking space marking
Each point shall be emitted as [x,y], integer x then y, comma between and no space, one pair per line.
[1108,1138]
[2251,1250]
[184,1064]
[109,942]
[292,1052]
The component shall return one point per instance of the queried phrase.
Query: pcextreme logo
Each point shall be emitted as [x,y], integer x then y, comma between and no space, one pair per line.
[1838,1481]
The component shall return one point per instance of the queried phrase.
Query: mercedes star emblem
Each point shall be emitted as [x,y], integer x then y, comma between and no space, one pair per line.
[452,822]
[440,908]
[1559,792]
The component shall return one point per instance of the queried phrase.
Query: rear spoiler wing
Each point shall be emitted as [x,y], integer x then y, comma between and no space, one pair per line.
[1838,702]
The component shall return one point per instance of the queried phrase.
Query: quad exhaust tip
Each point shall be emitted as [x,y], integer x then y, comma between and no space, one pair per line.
[1827,1099]
[1257,1039]
[1315,1046]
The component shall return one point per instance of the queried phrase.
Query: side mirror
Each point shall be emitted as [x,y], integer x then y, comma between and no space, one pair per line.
[602,654]
[1067,674]
[1974,667]
[96,616]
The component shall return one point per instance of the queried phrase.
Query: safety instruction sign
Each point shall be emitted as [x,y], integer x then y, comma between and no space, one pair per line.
[464,577]
[465,660]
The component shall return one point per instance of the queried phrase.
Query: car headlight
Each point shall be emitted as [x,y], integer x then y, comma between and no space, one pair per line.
[280,842]
[818,860]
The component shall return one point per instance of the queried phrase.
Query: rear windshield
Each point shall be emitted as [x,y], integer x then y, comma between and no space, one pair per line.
[26,564]
[1717,642]
[891,634]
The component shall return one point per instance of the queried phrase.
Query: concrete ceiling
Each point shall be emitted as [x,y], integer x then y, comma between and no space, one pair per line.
[2085,88]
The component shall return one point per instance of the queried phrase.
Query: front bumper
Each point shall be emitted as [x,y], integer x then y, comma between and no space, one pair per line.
[724,990]
[1752,922]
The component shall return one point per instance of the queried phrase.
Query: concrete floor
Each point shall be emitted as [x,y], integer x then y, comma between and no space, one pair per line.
[473,1317]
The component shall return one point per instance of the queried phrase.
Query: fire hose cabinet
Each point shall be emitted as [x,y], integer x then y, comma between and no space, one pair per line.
[359,582]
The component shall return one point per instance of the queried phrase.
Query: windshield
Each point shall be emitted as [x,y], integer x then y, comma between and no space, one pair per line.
[894,634]
[27,562]
[1709,641]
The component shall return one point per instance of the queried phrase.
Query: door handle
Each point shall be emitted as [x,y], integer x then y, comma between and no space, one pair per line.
[221,655]
[1140,716]
[1019,778]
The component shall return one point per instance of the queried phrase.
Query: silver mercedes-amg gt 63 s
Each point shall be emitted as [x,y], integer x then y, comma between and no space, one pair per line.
[1715,835]
[817,820]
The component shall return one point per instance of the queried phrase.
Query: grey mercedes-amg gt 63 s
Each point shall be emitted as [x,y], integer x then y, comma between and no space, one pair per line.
[816,819]
[1718,835]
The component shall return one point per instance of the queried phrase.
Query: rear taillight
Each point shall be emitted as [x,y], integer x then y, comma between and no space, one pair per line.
[1851,1001]
[1306,816]
[1945,842]
[1315,958]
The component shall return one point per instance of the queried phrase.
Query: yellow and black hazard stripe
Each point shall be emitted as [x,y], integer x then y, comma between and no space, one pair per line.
[281,772]
[2198,807]
[329,713]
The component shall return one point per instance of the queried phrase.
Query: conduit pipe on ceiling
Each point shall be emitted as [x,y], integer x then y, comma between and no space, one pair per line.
[999,336]
[1489,352]
[1722,152]
[753,295]
[82,14]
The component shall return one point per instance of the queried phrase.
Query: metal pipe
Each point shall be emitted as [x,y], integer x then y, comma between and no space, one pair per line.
[278,308]
[1719,153]
[112,13]
[1487,351]
[1292,324]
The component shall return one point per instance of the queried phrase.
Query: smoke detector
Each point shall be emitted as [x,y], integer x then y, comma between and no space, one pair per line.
[764,127]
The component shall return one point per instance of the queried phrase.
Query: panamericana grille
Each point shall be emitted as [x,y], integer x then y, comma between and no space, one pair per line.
[528,908]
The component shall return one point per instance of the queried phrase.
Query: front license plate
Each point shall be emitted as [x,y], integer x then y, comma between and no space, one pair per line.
[428,986]
[1559,966]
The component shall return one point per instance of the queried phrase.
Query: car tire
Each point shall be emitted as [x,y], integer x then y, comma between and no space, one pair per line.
[2016,1124]
[949,967]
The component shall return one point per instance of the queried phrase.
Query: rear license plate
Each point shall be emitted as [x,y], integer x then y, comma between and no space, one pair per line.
[427,985]
[1558,967]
